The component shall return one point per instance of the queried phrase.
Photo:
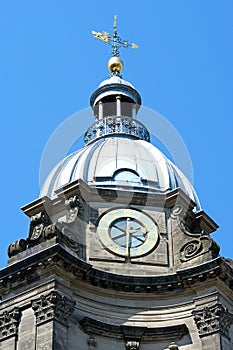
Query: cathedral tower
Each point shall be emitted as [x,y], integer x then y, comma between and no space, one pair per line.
[119,254]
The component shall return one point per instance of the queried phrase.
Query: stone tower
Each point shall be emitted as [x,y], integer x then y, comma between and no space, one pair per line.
[119,254]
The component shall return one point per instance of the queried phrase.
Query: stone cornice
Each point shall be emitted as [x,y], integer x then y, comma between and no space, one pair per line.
[40,204]
[133,333]
[57,257]
[205,221]
[130,91]
[90,194]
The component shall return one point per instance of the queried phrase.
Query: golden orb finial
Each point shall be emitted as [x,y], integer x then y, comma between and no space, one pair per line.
[115,64]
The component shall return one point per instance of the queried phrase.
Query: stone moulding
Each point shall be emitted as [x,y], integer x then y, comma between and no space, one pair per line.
[133,333]
[130,91]
[57,257]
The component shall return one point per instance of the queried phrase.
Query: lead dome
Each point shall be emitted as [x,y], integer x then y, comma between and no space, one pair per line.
[119,163]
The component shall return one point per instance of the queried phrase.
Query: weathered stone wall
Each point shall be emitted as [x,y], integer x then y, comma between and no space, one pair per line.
[60,315]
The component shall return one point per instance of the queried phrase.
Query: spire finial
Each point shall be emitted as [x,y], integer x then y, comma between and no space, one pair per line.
[115,64]
[115,49]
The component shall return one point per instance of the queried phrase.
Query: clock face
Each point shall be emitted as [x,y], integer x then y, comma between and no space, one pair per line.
[128,232]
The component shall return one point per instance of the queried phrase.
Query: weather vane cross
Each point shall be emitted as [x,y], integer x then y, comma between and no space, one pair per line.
[115,41]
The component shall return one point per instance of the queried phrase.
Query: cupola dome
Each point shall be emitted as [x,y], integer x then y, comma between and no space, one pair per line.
[119,162]
[117,152]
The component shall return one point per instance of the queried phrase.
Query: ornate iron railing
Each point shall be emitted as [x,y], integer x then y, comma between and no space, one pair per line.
[116,125]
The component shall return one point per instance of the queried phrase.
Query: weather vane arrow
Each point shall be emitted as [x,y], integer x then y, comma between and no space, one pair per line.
[115,41]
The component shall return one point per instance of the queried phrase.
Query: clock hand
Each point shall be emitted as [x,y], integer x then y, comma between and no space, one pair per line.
[119,236]
[118,228]
[127,243]
[137,238]
[141,229]
[127,236]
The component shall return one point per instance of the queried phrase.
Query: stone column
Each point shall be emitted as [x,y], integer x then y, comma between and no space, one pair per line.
[134,114]
[9,323]
[52,313]
[213,323]
[118,106]
[101,110]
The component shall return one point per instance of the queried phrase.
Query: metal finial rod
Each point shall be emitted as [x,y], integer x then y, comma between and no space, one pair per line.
[115,49]
[115,41]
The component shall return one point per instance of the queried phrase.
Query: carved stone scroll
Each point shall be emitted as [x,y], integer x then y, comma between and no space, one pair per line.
[74,205]
[17,247]
[199,242]
[42,229]
[38,222]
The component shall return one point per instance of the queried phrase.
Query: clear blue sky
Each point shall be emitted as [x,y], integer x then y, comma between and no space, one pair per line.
[50,65]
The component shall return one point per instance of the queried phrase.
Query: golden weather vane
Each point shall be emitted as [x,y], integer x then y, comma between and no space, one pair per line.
[115,41]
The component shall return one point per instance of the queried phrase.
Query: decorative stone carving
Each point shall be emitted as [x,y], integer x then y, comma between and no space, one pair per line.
[74,205]
[133,335]
[17,247]
[42,229]
[62,231]
[132,345]
[173,346]
[213,319]
[38,222]
[200,243]
[9,322]
[92,342]
[178,211]
[195,247]
[53,306]
[116,125]
[50,231]
[73,245]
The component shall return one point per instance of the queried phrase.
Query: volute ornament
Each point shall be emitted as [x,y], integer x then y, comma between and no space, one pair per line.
[199,242]
[74,205]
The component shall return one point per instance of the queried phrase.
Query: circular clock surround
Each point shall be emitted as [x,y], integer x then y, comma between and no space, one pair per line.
[128,232]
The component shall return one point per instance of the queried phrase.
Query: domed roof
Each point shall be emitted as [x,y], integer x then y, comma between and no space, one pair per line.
[115,85]
[115,79]
[119,162]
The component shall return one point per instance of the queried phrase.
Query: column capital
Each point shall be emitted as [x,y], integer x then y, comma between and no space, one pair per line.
[213,319]
[9,322]
[53,306]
